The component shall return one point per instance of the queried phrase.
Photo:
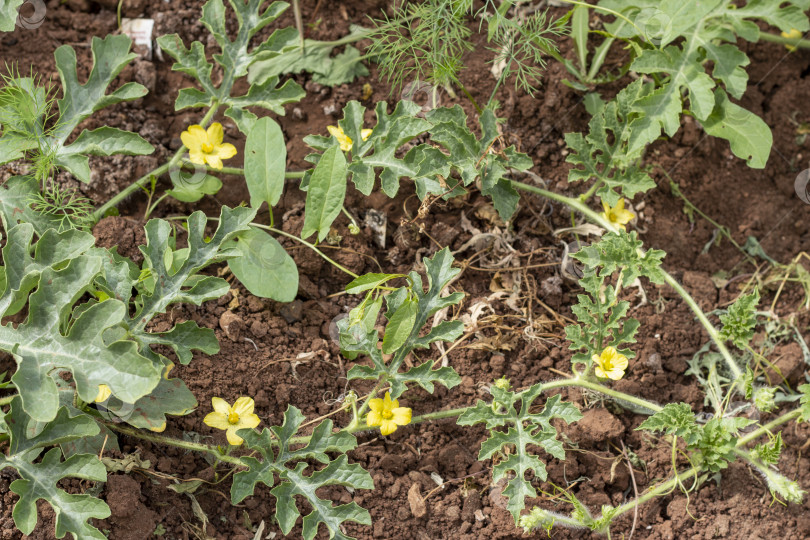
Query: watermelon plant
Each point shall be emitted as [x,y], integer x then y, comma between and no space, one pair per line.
[90,364]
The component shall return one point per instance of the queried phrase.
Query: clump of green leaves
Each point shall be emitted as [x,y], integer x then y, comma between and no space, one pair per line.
[32,126]
[32,129]
[235,58]
[713,442]
[38,480]
[407,311]
[605,154]
[68,346]
[602,317]
[452,159]
[740,320]
[314,57]
[512,410]
[677,50]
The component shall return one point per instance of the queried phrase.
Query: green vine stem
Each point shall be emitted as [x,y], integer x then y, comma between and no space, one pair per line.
[660,489]
[238,170]
[311,246]
[163,439]
[576,204]
[767,428]
[143,180]
[792,42]
[596,387]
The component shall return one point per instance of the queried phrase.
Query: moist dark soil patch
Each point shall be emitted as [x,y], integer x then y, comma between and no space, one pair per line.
[260,353]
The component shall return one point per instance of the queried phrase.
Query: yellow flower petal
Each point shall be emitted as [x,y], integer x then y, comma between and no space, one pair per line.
[225,151]
[249,421]
[217,420]
[387,427]
[243,406]
[344,140]
[402,415]
[104,393]
[387,403]
[374,419]
[196,156]
[233,438]
[375,405]
[600,372]
[213,161]
[220,405]
[215,134]
[194,137]
[365,133]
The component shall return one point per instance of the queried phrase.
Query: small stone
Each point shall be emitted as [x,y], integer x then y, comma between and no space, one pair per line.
[403,514]
[416,502]
[258,329]
[146,74]
[453,513]
[497,362]
[472,503]
[232,325]
[392,463]
[292,312]
[467,385]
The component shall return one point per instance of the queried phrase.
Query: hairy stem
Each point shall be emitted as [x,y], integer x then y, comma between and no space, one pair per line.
[660,489]
[767,428]
[576,204]
[596,387]
[186,445]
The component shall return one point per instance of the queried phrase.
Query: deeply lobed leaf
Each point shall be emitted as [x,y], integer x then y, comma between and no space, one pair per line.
[39,480]
[275,446]
[512,410]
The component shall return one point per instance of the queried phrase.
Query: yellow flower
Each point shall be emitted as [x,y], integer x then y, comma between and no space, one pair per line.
[387,414]
[206,146]
[240,416]
[104,393]
[793,34]
[344,140]
[610,364]
[617,215]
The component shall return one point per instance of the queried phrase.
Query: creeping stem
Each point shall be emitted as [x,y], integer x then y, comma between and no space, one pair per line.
[792,42]
[186,445]
[579,206]
[762,430]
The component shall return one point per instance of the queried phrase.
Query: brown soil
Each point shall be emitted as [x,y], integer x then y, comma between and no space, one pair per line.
[259,353]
